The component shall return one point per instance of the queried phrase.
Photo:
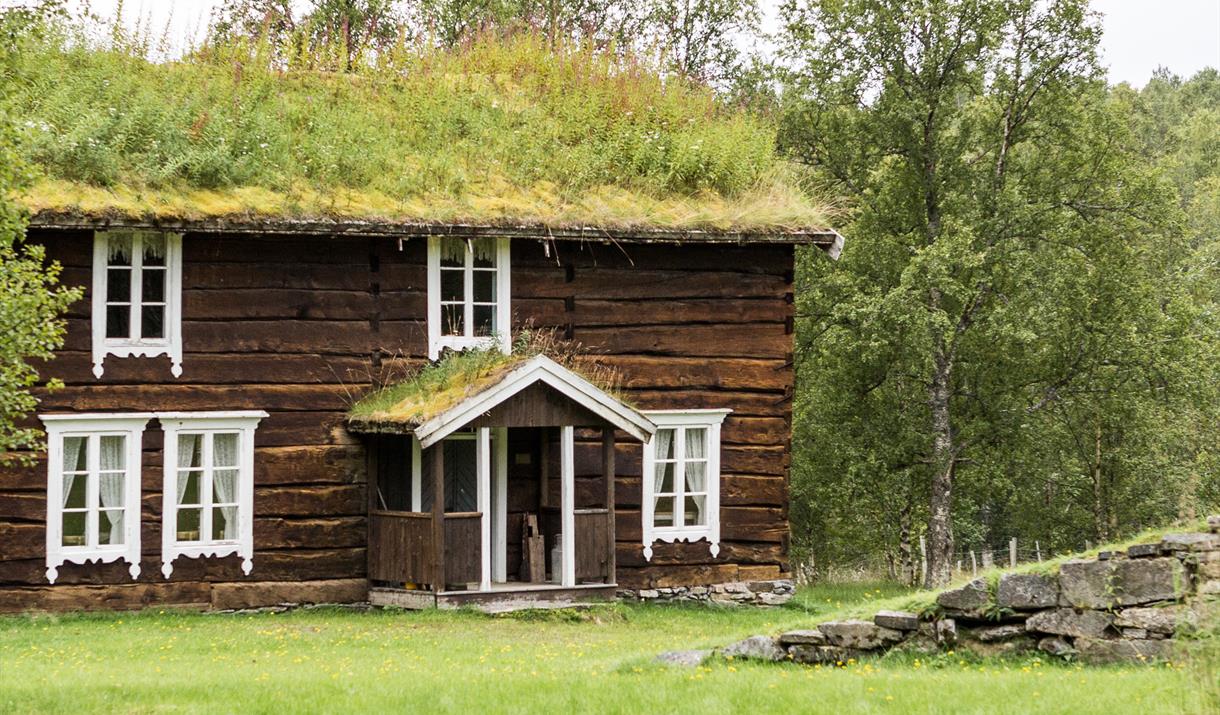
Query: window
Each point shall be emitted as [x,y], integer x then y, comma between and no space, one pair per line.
[137,278]
[468,294]
[208,492]
[681,485]
[93,489]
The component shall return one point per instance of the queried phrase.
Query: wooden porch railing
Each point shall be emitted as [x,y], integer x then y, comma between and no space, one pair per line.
[594,540]
[463,554]
[400,546]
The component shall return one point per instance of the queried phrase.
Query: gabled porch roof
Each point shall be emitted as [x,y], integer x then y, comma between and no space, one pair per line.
[433,416]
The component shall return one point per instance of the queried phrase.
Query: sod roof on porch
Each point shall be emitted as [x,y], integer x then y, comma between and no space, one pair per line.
[447,395]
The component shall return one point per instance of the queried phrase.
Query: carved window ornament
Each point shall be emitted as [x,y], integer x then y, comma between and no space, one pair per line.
[137,296]
[681,478]
[208,491]
[468,294]
[93,489]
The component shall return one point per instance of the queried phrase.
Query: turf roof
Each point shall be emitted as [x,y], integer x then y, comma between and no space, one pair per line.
[498,133]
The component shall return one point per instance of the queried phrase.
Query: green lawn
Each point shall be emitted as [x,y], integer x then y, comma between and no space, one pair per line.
[342,661]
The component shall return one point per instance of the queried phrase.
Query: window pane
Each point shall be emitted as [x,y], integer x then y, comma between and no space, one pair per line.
[452,320]
[110,490]
[154,249]
[74,528]
[119,250]
[118,285]
[453,252]
[118,321]
[696,442]
[152,323]
[664,478]
[695,515]
[452,286]
[664,444]
[153,290]
[663,512]
[224,450]
[224,486]
[188,487]
[224,523]
[484,319]
[76,454]
[696,476]
[110,527]
[188,524]
[114,452]
[484,252]
[190,451]
[484,286]
[74,491]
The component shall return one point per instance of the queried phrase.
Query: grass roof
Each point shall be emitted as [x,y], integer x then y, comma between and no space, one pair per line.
[499,132]
[436,387]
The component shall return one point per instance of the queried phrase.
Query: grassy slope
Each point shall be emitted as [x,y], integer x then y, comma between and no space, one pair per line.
[502,131]
[350,662]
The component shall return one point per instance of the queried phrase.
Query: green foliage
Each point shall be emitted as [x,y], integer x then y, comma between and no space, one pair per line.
[1023,328]
[495,130]
[31,301]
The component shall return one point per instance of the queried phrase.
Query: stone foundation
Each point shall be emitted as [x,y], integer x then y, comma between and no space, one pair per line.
[743,593]
[1119,607]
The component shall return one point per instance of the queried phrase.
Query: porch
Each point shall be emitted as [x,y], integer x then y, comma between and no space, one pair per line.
[485,505]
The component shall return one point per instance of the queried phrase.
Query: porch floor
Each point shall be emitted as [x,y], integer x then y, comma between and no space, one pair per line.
[502,598]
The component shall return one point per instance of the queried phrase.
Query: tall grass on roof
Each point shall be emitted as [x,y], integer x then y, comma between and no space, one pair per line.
[433,388]
[502,130]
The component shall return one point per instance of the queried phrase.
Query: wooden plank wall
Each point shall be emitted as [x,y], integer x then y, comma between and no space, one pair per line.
[300,326]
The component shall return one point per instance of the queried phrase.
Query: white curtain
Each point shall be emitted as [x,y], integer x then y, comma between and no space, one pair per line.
[74,455]
[453,252]
[110,482]
[484,251]
[224,481]
[119,249]
[188,457]
[696,476]
[663,440]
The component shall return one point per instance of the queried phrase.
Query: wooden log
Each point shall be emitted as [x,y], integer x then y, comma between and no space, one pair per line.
[328,533]
[271,593]
[743,404]
[640,372]
[310,501]
[746,340]
[189,398]
[678,575]
[117,597]
[631,554]
[75,368]
[645,283]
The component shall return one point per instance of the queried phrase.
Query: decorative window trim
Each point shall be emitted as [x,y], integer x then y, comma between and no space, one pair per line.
[502,338]
[171,344]
[709,419]
[94,426]
[244,424]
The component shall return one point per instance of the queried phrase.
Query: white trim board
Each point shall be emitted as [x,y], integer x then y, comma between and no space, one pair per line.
[537,369]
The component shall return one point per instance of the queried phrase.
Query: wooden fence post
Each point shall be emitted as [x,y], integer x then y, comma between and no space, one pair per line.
[1012,552]
[974,565]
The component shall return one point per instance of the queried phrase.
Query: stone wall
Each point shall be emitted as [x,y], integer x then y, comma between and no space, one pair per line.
[1120,606]
[744,593]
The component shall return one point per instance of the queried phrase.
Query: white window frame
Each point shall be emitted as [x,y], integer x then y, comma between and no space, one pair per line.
[679,421]
[502,337]
[94,426]
[244,424]
[171,344]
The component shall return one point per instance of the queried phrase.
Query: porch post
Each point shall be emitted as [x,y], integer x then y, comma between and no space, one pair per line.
[437,462]
[608,475]
[567,484]
[483,491]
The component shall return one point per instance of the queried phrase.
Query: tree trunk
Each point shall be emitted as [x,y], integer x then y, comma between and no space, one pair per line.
[940,525]
[905,563]
[1099,497]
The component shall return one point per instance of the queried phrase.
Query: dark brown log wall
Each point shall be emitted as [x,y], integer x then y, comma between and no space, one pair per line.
[300,326]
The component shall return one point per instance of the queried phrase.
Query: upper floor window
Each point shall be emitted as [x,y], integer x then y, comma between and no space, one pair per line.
[681,484]
[93,489]
[208,492]
[468,294]
[137,279]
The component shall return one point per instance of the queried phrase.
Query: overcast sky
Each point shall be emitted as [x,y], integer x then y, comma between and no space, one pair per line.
[1140,35]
